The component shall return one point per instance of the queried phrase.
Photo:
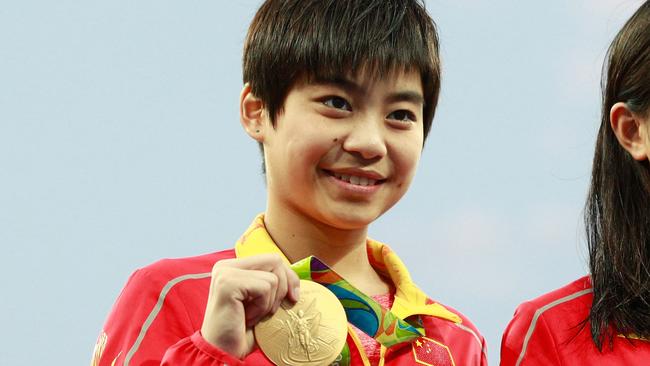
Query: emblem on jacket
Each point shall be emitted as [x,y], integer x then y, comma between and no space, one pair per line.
[428,352]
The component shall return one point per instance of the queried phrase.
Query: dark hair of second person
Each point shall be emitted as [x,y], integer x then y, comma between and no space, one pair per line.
[617,212]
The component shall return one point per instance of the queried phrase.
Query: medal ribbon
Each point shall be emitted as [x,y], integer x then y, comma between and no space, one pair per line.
[361,310]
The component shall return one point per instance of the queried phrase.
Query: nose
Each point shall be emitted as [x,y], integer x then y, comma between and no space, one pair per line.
[366,138]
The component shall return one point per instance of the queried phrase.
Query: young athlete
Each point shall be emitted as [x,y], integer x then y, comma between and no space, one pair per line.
[604,318]
[340,95]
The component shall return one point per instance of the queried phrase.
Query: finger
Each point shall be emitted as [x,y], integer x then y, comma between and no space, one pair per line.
[274,281]
[282,287]
[250,339]
[253,290]
[293,284]
[258,292]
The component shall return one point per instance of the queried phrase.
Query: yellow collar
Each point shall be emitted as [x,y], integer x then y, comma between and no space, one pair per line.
[409,299]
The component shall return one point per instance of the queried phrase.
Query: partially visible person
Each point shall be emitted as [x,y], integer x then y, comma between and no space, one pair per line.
[604,318]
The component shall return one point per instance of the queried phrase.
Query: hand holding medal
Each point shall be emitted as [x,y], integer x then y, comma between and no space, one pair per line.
[242,292]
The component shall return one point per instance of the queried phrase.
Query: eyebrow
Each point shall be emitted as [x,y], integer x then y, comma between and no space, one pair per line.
[343,83]
[406,96]
[354,88]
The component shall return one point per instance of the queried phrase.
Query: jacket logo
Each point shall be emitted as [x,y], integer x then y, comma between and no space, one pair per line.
[428,352]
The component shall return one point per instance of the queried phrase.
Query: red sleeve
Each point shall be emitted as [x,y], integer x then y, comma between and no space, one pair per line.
[195,350]
[149,326]
[540,347]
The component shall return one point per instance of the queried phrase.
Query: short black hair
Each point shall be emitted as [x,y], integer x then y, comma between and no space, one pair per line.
[325,39]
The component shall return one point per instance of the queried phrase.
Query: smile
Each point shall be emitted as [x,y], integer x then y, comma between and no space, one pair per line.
[356,180]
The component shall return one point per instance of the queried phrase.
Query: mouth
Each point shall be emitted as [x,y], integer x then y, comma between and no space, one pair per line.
[354,179]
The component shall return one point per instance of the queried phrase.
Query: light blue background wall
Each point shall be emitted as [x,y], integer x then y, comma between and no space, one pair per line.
[120,145]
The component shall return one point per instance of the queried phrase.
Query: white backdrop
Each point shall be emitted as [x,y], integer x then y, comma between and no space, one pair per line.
[120,144]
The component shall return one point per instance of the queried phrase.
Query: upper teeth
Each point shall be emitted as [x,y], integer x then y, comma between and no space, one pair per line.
[353,179]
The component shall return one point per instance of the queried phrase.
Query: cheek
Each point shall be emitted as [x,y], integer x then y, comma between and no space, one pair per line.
[406,162]
[407,156]
[309,148]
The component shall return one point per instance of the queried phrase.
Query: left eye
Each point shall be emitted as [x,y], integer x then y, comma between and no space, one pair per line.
[337,103]
[402,115]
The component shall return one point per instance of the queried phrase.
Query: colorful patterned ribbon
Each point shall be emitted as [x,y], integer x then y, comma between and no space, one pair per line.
[362,311]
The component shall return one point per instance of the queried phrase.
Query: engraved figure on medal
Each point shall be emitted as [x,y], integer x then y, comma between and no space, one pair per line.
[306,343]
[311,332]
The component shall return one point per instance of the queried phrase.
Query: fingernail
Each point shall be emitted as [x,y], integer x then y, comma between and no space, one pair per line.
[296,293]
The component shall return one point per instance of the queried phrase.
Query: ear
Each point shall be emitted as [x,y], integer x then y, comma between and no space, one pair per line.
[630,130]
[252,114]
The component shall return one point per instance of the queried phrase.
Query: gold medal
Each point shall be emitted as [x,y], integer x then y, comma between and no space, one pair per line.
[310,332]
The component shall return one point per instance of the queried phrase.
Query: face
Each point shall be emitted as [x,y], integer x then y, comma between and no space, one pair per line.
[342,152]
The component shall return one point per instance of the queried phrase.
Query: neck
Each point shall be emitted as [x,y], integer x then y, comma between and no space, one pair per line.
[342,250]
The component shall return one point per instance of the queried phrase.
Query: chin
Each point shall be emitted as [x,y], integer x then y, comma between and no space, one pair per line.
[351,220]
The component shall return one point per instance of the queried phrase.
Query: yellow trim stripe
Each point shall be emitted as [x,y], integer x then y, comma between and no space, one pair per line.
[633,336]
[359,345]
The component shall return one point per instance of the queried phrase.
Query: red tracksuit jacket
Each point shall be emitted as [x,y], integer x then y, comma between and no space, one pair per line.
[157,318]
[548,331]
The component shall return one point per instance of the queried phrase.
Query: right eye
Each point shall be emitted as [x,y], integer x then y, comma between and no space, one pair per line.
[337,103]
